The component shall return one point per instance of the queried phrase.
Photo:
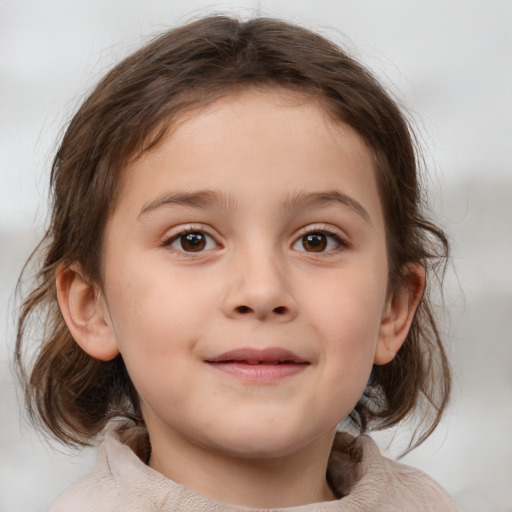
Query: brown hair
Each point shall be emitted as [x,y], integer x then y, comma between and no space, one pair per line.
[129,112]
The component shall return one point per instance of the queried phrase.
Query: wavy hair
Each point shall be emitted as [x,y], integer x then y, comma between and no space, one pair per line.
[131,110]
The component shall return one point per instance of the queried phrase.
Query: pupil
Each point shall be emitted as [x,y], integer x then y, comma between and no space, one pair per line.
[193,242]
[315,242]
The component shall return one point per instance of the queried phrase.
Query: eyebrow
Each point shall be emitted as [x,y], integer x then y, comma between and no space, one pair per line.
[304,200]
[203,199]
[301,200]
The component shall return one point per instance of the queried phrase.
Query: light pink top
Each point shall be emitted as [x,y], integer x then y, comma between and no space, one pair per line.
[122,482]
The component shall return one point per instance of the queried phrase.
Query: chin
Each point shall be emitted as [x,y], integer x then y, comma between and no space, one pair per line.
[262,443]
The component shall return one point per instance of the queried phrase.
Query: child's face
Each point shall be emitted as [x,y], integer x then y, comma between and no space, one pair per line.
[253,234]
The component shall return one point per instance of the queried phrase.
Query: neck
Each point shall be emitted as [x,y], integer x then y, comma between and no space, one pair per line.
[291,480]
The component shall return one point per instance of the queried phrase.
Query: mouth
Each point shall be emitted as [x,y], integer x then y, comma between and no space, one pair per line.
[255,365]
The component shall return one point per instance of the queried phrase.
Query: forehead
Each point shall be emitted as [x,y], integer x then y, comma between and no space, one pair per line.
[275,136]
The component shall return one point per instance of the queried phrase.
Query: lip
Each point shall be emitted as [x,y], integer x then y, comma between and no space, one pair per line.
[259,365]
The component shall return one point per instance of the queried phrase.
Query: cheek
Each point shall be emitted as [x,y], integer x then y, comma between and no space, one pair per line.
[153,320]
[151,297]
[350,304]
[346,317]
[159,313]
[349,338]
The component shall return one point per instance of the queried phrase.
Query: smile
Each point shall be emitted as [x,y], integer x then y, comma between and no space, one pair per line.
[267,365]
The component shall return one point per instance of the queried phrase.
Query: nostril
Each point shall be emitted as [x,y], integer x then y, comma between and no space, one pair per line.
[244,310]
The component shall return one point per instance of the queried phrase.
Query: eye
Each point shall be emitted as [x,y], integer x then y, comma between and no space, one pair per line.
[318,241]
[192,241]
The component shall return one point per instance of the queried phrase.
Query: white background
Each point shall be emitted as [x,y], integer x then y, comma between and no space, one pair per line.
[449,63]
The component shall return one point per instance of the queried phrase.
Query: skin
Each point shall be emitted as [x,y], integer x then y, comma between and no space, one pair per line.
[262,156]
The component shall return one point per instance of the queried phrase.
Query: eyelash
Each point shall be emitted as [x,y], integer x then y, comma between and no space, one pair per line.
[338,240]
[170,240]
[331,236]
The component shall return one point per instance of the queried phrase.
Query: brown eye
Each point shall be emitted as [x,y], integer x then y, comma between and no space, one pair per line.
[192,241]
[314,242]
[318,241]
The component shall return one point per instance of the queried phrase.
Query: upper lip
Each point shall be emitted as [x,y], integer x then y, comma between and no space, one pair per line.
[254,356]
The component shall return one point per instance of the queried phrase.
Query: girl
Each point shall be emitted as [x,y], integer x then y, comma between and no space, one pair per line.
[236,263]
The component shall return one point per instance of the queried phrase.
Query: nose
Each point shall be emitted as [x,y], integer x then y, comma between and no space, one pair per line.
[259,287]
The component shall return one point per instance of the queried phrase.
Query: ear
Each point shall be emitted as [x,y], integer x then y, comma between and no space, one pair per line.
[399,314]
[85,313]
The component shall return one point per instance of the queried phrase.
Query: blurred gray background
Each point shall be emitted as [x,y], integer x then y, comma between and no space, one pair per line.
[448,61]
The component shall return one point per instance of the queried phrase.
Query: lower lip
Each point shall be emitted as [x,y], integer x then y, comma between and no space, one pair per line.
[260,372]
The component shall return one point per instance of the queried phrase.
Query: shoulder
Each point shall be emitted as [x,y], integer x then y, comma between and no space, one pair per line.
[120,481]
[398,486]
[95,491]
[366,481]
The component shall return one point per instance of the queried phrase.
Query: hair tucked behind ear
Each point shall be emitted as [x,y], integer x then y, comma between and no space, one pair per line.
[130,111]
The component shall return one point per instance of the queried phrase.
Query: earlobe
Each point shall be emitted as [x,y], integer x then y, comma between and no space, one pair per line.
[399,314]
[85,314]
